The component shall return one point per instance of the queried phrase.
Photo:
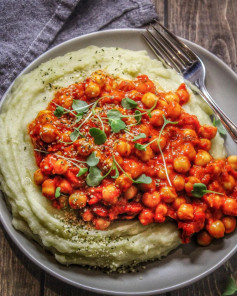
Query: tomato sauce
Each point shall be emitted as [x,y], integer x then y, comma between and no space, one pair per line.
[120,150]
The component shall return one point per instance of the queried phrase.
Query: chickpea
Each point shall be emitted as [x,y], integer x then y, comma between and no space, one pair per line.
[49,188]
[83,147]
[65,101]
[229,183]
[87,215]
[174,110]
[161,104]
[189,151]
[92,89]
[178,183]
[178,202]
[77,200]
[99,77]
[202,158]
[161,174]
[146,217]
[154,146]
[60,167]
[148,187]
[207,131]
[65,186]
[229,223]
[189,182]
[230,207]
[151,200]
[168,194]
[203,238]
[160,213]
[157,119]
[232,160]
[216,228]
[214,201]
[205,144]
[145,155]
[134,168]
[48,133]
[185,212]
[110,194]
[182,164]
[63,201]
[189,134]
[149,99]
[39,177]
[101,223]
[131,192]
[45,116]
[171,96]
[124,148]
[183,95]
[123,182]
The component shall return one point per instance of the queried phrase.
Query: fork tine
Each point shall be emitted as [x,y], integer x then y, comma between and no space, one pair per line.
[183,58]
[180,44]
[159,54]
[168,56]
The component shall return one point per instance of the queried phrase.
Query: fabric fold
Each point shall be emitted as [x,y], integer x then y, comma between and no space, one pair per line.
[30,28]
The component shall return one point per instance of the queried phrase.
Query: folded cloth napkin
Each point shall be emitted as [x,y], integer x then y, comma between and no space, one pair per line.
[28,28]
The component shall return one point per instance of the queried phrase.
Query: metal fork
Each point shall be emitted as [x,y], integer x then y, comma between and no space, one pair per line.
[177,55]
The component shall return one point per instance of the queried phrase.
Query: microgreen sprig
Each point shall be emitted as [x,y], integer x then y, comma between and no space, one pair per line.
[200,189]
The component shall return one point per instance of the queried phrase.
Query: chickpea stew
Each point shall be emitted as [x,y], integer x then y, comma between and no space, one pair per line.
[113,149]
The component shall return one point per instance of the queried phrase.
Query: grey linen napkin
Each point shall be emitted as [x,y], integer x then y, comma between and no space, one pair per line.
[29,28]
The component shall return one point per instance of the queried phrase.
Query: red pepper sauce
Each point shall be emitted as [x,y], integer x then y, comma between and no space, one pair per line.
[147,161]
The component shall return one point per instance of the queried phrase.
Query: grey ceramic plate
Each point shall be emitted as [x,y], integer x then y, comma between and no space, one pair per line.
[188,263]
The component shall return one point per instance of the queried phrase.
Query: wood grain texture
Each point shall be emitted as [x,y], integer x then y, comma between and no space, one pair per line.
[18,275]
[210,23]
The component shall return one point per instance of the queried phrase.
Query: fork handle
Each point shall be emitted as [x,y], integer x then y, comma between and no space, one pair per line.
[229,125]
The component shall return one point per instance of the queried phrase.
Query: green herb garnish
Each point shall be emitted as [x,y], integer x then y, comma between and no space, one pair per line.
[139,136]
[94,177]
[128,103]
[57,192]
[80,105]
[98,135]
[92,160]
[200,189]
[217,123]
[82,171]
[231,287]
[143,179]
[59,111]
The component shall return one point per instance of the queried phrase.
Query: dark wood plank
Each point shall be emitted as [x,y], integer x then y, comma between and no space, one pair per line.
[18,275]
[211,24]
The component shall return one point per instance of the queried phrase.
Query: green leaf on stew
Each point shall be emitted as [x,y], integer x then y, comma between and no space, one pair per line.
[231,287]
[116,172]
[57,192]
[143,179]
[74,135]
[200,189]
[98,135]
[82,172]
[78,117]
[92,160]
[117,125]
[140,146]
[138,116]
[114,114]
[94,177]
[59,111]
[139,136]
[80,106]
[128,103]
[217,123]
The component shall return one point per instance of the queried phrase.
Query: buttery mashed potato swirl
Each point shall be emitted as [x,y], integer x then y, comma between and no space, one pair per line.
[124,243]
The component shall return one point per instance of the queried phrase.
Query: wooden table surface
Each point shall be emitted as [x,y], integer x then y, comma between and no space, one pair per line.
[209,23]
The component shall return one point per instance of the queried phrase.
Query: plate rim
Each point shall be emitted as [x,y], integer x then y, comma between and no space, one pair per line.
[10,232]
